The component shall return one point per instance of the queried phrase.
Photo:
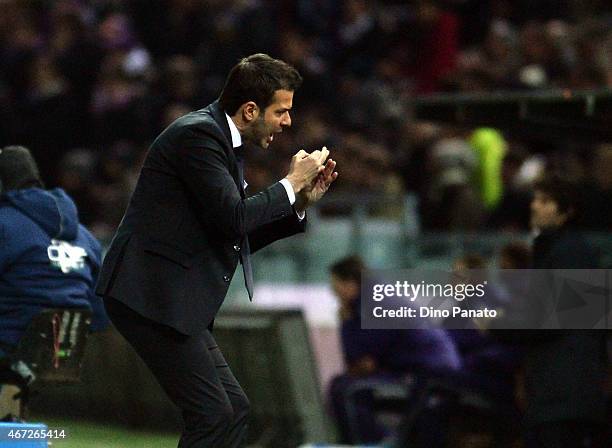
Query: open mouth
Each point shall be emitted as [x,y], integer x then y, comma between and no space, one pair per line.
[270,137]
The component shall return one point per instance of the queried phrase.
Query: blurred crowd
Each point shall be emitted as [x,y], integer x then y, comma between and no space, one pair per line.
[88,84]
[550,386]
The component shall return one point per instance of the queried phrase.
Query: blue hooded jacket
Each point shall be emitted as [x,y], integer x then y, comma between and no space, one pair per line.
[47,260]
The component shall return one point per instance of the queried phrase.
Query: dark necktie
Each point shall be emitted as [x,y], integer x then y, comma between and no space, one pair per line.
[245,250]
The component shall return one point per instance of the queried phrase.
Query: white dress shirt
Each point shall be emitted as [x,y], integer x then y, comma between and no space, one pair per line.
[237,141]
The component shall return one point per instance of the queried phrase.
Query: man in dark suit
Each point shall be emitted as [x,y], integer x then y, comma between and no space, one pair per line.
[563,382]
[565,370]
[188,224]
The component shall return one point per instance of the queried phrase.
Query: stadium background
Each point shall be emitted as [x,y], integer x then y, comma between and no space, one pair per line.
[87,85]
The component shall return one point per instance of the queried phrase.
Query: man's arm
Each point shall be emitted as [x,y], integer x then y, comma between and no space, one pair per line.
[204,167]
[275,231]
[317,189]
[303,199]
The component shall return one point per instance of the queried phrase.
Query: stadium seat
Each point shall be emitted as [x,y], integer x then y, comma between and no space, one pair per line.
[476,411]
[397,406]
[389,400]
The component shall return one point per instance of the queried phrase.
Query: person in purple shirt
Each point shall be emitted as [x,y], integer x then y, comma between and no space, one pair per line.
[488,365]
[378,355]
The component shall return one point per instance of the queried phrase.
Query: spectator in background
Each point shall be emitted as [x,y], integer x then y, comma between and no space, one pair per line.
[541,63]
[494,61]
[594,187]
[415,139]
[564,369]
[180,84]
[452,201]
[512,211]
[50,112]
[77,170]
[73,46]
[512,258]
[488,366]
[554,211]
[516,255]
[48,259]
[490,148]
[379,355]
[357,40]
[436,46]
[299,49]
[94,73]
[111,190]
[602,169]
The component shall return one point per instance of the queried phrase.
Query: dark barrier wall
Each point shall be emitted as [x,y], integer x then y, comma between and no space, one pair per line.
[269,353]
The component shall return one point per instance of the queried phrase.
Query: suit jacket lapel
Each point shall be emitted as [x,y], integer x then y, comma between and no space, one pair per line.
[219,116]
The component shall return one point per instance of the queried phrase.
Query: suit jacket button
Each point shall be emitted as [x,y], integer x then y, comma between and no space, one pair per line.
[226,278]
[236,248]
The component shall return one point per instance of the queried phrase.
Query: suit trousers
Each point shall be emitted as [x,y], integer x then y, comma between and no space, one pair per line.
[193,373]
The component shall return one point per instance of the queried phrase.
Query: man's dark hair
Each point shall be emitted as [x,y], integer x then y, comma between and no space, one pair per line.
[563,192]
[518,253]
[348,268]
[473,261]
[256,78]
[18,169]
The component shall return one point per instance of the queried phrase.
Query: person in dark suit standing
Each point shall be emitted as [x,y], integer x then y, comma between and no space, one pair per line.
[562,384]
[188,224]
[565,370]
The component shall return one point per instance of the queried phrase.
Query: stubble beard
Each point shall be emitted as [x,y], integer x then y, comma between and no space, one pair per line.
[257,133]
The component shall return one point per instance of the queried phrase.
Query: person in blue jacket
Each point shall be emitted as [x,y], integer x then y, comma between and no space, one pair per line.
[47,259]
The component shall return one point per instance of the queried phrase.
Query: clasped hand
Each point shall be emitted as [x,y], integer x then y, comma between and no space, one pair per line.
[311,175]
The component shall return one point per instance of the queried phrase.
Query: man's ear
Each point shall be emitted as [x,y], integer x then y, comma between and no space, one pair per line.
[250,111]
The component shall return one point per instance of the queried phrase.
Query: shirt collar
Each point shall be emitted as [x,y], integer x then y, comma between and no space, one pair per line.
[236,137]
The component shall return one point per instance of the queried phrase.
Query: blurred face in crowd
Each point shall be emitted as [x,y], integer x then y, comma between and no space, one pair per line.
[602,167]
[346,290]
[545,212]
[506,262]
[466,270]
[263,124]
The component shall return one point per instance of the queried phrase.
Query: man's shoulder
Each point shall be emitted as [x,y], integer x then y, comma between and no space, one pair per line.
[196,118]
[200,124]
[573,240]
[574,251]
[205,119]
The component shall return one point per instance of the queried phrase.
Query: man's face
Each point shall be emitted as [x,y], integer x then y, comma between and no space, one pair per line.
[545,212]
[271,121]
[346,290]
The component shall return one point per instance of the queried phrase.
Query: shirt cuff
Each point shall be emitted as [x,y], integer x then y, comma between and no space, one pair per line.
[289,190]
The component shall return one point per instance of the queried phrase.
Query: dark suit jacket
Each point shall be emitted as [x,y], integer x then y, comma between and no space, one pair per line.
[565,370]
[177,247]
